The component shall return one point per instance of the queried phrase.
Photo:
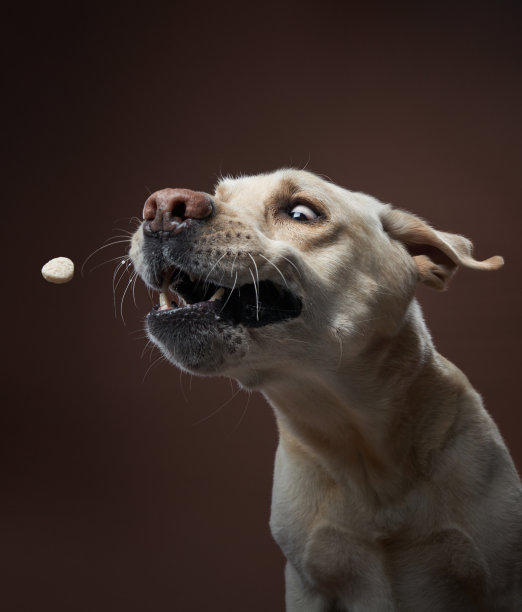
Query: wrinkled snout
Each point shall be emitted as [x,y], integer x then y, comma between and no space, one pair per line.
[167,210]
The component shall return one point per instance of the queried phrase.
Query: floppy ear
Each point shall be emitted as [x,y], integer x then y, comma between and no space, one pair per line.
[436,254]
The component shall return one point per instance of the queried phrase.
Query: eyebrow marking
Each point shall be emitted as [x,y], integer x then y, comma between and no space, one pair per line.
[288,188]
[284,192]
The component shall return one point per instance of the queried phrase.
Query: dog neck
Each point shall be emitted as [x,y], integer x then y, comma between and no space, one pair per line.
[362,423]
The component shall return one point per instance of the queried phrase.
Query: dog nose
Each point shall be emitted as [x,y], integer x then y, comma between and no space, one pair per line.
[165,210]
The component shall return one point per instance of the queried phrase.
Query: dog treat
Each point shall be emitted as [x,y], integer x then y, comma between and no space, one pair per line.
[58,270]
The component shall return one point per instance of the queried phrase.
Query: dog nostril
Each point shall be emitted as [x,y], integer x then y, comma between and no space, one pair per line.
[150,207]
[179,210]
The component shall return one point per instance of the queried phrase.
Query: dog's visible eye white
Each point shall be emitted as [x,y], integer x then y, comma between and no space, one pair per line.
[302,213]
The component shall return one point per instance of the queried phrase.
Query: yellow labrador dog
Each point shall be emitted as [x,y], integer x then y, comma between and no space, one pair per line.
[393,489]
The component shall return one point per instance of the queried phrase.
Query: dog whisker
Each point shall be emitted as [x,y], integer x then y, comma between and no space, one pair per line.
[243,414]
[146,348]
[212,268]
[217,410]
[103,263]
[182,387]
[339,339]
[233,263]
[115,283]
[230,294]
[257,272]
[134,287]
[105,246]
[292,264]
[154,363]
[126,237]
[132,277]
[273,264]
[257,294]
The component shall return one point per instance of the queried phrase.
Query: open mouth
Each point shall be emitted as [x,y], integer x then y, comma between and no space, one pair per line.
[252,305]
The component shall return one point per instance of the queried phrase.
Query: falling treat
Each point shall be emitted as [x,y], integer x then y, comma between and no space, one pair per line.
[58,270]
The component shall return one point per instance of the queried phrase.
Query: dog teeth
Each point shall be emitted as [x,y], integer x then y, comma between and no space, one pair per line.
[164,301]
[219,294]
[192,278]
[164,294]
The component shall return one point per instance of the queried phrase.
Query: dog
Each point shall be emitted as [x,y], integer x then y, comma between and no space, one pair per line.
[393,489]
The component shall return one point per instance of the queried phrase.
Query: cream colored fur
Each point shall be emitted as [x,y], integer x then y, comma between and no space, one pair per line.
[393,489]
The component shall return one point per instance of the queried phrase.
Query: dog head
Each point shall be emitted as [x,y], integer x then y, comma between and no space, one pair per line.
[283,271]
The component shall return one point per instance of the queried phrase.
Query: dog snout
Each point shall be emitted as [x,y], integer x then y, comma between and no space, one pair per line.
[167,210]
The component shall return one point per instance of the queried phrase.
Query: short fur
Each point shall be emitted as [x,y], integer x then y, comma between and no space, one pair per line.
[393,489]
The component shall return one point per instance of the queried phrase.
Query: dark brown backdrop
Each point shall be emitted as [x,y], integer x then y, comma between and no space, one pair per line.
[123,486]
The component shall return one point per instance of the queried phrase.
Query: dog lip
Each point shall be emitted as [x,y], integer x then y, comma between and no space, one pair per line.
[158,312]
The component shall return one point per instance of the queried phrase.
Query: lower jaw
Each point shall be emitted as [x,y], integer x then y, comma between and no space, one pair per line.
[196,338]
[196,323]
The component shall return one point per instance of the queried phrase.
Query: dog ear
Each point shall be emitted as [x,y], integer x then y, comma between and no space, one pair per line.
[436,254]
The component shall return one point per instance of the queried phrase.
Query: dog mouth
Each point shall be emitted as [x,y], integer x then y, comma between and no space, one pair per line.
[252,305]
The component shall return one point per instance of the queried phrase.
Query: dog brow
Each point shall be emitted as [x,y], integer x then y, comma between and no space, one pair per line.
[285,191]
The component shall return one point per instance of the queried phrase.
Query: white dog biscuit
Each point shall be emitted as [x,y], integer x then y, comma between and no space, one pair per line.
[58,270]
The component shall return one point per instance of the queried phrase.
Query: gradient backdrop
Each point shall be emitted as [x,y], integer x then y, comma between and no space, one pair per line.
[125,485]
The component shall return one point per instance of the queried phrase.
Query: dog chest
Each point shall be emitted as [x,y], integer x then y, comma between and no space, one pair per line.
[304,501]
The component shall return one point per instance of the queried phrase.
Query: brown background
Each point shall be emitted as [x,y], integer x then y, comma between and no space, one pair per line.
[125,486]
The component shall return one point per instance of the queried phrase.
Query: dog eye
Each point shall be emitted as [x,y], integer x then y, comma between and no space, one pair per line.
[302,213]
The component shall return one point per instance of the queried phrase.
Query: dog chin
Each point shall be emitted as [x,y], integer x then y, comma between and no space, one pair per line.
[197,344]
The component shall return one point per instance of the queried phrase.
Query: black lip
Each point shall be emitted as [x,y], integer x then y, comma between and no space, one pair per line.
[249,305]
[198,310]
